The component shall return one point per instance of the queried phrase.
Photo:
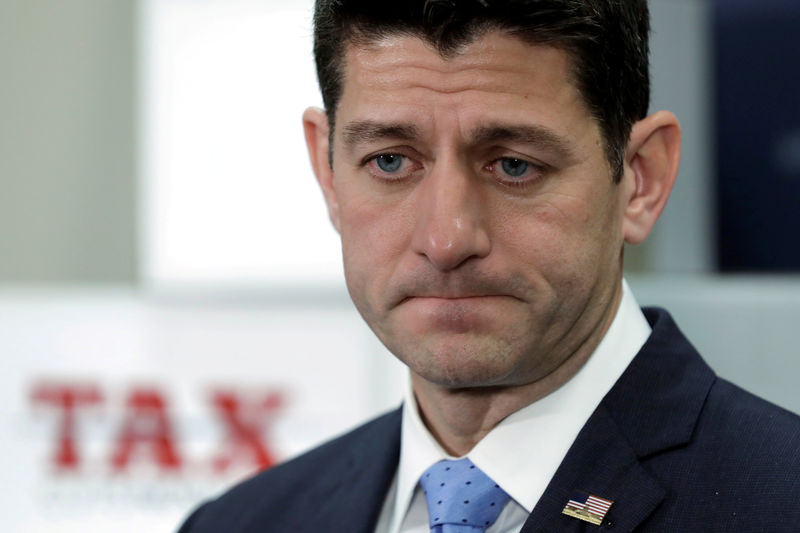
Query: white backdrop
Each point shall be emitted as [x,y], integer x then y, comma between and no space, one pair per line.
[228,196]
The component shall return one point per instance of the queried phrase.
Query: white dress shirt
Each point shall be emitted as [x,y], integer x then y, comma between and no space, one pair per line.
[523,452]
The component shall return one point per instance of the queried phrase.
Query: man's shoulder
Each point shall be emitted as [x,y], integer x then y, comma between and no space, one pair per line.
[670,378]
[741,468]
[328,455]
[750,426]
[726,412]
[289,489]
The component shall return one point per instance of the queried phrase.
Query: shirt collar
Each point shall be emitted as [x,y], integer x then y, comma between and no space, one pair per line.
[559,416]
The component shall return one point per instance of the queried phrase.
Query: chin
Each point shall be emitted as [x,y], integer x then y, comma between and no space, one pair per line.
[465,367]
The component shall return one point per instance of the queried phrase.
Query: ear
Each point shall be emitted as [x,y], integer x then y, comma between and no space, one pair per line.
[316,128]
[651,166]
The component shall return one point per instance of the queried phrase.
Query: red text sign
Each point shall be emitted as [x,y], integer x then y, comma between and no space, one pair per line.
[147,432]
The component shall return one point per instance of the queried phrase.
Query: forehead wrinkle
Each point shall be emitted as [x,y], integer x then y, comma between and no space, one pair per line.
[389,64]
[401,61]
[478,78]
[444,68]
[399,49]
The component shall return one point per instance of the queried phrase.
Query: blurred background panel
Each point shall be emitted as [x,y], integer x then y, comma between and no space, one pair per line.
[758,135]
[68,141]
[172,310]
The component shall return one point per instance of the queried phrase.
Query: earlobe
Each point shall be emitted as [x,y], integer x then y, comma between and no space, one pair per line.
[651,166]
[316,129]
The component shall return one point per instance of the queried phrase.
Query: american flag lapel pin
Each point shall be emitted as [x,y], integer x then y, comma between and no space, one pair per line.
[587,507]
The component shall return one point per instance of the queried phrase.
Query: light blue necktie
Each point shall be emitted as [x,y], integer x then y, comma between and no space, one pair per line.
[461,498]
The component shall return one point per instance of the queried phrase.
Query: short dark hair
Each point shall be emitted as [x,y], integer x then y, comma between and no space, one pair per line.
[606,39]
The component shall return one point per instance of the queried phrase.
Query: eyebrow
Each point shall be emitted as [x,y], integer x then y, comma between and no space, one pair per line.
[525,134]
[366,131]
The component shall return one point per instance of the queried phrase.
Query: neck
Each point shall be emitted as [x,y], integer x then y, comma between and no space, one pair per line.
[460,417]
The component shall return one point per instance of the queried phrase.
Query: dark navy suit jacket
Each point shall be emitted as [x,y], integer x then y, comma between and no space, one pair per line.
[676,448]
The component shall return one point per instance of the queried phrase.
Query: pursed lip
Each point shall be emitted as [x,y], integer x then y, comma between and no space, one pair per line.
[454,314]
[466,286]
[455,297]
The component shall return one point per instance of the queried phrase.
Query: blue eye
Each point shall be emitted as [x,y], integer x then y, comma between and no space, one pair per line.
[514,167]
[389,162]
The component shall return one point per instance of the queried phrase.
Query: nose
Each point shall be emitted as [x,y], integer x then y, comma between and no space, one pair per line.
[450,219]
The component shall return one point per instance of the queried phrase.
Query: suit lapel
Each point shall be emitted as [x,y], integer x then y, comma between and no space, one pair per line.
[601,463]
[652,408]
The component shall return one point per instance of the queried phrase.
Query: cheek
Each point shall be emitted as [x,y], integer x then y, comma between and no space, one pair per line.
[562,237]
[368,229]
[372,240]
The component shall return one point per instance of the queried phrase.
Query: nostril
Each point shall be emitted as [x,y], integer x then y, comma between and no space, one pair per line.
[447,250]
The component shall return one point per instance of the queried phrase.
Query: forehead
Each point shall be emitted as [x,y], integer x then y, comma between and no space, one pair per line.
[497,74]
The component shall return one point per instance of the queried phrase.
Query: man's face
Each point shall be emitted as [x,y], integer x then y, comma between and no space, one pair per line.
[480,227]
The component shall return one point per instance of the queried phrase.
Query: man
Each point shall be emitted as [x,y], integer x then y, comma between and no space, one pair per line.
[484,162]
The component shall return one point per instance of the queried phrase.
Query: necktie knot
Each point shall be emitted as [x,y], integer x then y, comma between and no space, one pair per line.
[461,498]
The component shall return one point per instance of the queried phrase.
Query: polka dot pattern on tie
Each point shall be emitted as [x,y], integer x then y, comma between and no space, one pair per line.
[461,498]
